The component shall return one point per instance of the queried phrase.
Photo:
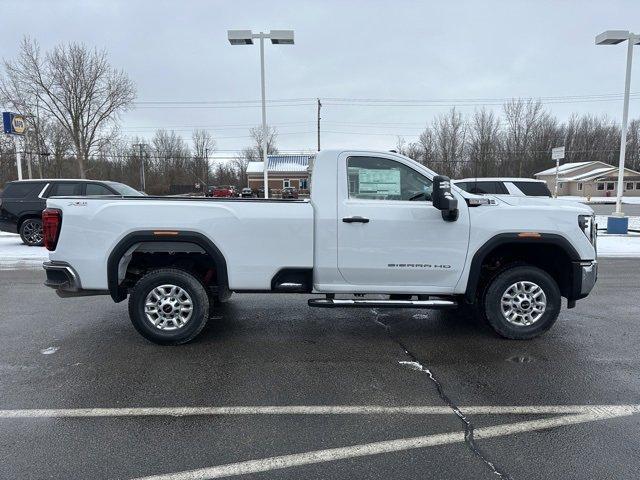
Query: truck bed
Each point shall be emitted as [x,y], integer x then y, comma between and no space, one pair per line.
[257,237]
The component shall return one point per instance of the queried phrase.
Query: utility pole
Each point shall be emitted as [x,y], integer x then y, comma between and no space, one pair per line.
[319,107]
[205,171]
[140,154]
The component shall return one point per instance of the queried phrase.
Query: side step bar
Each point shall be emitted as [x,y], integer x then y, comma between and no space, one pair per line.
[355,303]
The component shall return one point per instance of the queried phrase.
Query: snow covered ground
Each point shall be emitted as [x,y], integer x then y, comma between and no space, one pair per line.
[14,254]
[627,200]
[619,245]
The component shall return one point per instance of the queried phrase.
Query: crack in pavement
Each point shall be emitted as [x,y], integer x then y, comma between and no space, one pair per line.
[469,428]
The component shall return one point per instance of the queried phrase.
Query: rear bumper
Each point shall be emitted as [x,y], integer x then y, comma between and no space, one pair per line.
[66,282]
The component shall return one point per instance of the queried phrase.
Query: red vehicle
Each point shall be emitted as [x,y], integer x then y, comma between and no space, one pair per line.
[224,191]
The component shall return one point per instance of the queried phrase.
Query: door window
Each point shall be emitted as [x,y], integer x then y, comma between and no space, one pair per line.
[22,189]
[97,189]
[536,189]
[286,183]
[374,178]
[65,189]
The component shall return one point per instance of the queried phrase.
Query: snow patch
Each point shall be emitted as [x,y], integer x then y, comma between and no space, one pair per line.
[15,255]
[622,246]
[612,200]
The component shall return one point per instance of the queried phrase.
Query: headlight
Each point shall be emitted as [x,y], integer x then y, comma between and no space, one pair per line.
[588,226]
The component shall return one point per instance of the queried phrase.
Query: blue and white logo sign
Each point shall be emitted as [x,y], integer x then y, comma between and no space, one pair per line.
[14,123]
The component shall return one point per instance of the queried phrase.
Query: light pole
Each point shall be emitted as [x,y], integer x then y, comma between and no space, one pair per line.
[141,147]
[613,37]
[277,37]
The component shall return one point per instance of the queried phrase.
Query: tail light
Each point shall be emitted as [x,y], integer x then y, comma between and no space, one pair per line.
[51,223]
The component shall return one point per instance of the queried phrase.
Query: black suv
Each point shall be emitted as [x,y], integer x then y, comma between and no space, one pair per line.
[22,202]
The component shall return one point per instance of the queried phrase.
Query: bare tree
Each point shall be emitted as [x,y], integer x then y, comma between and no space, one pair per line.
[74,85]
[449,132]
[484,143]
[203,145]
[171,161]
[253,153]
[521,117]
[633,145]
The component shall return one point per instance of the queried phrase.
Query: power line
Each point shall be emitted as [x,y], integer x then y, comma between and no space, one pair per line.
[302,101]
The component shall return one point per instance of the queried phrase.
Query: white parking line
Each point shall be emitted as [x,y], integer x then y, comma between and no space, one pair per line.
[568,415]
[333,454]
[317,410]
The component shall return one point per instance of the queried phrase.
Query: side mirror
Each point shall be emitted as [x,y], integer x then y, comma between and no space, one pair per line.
[443,199]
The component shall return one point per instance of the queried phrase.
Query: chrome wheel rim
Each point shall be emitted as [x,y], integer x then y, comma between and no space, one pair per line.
[523,303]
[32,232]
[168,307]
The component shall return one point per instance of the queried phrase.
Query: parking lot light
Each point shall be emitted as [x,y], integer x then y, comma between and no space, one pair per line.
[613,37]
[278,37]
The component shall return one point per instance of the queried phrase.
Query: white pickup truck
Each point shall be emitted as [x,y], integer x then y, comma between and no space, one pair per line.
[380,230]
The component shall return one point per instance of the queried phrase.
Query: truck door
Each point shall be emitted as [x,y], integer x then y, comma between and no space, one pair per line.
[389,233]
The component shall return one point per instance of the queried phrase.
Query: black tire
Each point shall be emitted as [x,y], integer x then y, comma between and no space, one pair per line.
[31,232]
[498,286]
[189,284]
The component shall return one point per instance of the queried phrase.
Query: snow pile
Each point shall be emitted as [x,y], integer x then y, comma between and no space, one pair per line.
[14,254]
[619,245]
[625,200]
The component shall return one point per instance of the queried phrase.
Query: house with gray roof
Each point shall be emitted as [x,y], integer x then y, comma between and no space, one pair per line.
[283,171]
[590,179]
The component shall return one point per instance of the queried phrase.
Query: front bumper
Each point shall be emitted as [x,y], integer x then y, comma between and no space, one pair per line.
[585,274]
[66,282]
[589,275]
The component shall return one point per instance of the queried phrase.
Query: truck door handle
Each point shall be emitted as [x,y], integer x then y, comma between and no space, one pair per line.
[355,220]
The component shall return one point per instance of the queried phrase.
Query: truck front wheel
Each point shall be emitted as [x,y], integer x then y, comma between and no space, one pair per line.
[522,302]
[169,306]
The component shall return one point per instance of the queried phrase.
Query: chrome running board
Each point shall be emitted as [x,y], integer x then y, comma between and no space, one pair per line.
[365,303]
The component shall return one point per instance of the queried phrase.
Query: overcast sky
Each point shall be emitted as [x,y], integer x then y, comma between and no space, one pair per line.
[428,50]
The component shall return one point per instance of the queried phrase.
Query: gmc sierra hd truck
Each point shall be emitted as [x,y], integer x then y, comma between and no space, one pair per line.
[380,230]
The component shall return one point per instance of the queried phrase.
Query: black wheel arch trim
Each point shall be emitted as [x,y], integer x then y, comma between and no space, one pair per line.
[119,294]
[514,238]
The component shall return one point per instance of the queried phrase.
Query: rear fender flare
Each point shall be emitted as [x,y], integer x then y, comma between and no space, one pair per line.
[122,247]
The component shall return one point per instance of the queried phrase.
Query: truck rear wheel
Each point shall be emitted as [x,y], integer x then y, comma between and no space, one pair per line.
[169,306]
[522,302]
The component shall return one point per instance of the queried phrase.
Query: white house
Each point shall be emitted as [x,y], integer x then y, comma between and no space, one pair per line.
[590,179]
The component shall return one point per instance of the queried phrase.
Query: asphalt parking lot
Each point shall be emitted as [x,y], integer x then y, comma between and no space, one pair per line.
[455,378]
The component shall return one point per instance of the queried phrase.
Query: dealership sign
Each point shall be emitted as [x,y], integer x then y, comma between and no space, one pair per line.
[14,123]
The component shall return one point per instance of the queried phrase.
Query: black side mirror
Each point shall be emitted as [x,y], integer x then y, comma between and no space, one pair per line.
[443,199]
